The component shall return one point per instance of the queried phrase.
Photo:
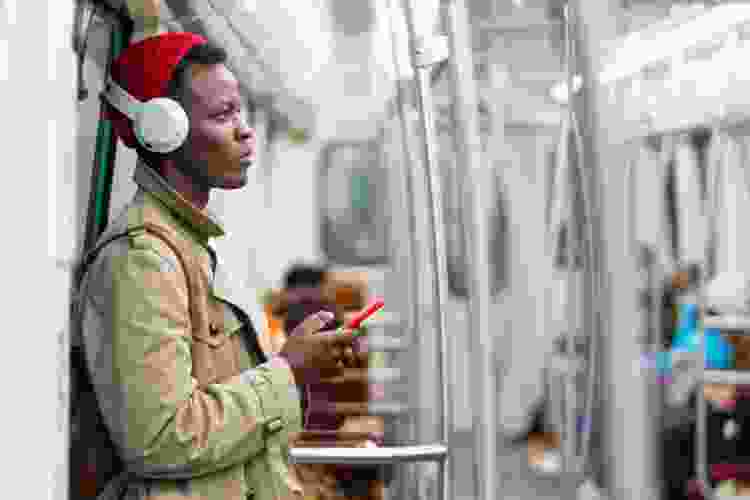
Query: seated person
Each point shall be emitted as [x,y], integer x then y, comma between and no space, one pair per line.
[724,445]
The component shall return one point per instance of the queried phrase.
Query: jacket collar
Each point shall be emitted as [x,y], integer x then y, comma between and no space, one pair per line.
[202,223]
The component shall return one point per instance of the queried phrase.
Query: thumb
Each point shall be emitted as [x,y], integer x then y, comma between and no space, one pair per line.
[313,323]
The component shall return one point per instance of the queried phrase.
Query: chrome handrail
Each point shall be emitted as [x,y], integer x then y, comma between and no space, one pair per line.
[476,182]
[422,59]
[370,456]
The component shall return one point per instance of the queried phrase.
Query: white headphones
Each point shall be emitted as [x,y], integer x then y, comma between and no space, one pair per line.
[160,125]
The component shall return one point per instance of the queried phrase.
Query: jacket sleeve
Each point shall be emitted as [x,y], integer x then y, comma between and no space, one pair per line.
[164,425]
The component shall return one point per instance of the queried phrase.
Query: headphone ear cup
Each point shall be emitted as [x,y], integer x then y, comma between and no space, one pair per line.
[161,125]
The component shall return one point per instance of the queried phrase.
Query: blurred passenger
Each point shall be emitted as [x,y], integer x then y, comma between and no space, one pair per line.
[728,406]
[335,411]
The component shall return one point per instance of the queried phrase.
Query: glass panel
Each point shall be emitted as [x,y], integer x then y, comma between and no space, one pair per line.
[353,218]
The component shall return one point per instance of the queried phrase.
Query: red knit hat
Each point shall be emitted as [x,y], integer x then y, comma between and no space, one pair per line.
[144,70]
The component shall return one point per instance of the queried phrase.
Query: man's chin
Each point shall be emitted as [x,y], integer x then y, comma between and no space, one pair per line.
[235,181]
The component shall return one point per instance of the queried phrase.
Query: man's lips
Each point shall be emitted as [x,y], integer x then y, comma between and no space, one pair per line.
[249,153]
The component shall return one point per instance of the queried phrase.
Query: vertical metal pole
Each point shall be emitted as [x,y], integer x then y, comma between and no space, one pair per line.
[476,178]
[407,184]
[406,262]
[712,209]
[574,251]
[629,426]
[437,243]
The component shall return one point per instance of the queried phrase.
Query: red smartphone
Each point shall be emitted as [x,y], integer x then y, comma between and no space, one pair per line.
[357,320]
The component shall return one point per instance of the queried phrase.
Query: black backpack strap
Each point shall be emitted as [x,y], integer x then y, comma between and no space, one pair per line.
[250,333]
[88,258]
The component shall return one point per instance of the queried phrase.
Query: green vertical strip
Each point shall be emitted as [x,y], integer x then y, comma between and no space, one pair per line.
[104,156]
[96,221]
[360,187]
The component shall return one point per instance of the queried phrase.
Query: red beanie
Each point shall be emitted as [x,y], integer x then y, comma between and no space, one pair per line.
[144,70]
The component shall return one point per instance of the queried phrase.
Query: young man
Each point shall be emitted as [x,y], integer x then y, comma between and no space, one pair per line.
[222,430]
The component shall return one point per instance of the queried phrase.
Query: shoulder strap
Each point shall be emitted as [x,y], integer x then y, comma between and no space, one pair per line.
[179,251]
[89,257]
[77,351]
[80,377]
[192,278]
[79,272]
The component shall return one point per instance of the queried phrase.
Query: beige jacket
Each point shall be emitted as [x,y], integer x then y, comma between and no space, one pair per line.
[219,434]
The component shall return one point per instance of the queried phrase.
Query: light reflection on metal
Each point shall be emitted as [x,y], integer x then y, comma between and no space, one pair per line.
[478,181]
[437,243]
[628,459]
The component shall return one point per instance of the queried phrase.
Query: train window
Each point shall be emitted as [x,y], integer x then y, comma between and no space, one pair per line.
[353,211]
[458,278]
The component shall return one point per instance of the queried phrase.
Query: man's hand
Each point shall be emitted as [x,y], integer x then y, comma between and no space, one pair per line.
[312,354]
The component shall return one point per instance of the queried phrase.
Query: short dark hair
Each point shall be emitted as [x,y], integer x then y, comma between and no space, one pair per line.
[305,275]
[205,53]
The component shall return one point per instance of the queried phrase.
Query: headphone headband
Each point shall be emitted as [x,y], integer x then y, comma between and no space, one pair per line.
[121,99]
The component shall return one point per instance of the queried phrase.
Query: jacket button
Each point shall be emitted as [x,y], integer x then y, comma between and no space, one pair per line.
[274,425]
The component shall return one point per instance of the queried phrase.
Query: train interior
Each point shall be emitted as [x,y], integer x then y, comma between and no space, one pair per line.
[546,193]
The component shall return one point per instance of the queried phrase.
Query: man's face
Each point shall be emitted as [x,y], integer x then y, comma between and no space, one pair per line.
[221,145]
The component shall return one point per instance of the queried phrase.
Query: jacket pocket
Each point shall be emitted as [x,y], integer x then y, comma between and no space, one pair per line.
[215,356]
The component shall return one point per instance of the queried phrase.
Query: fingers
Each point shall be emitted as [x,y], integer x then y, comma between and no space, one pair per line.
[359,409]
[336,352]
[343,337]
[348,356]
[313,323]
[316,375]
[348,376]
[343,353]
